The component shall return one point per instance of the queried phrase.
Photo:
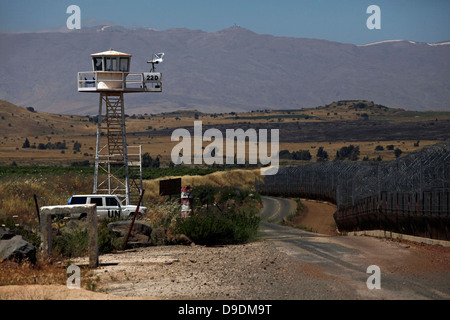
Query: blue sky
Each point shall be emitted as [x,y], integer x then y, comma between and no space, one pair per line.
[342,21]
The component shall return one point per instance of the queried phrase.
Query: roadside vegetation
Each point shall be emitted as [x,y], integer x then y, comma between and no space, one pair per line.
[222,211]
[292,220]
[224,215]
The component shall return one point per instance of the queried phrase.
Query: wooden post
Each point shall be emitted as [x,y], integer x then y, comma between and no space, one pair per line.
[37,209]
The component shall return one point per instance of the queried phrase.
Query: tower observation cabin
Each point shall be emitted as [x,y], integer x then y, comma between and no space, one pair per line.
[118,168]
[111,72]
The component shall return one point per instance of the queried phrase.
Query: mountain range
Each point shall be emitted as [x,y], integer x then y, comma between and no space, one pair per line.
[233,69]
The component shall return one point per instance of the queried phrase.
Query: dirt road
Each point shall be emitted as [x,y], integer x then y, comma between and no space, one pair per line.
[316,216]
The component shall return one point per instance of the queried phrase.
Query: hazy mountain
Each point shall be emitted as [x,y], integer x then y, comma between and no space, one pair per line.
[230,70]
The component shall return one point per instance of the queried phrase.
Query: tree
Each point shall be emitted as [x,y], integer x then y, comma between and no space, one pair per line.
[322,155]
[26,144]
[77,147]
[285,154]
[301,155]
[149,162]
[351,152]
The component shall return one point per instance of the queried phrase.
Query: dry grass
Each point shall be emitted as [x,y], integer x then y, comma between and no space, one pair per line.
[26,281]
[43,272]
[17,201]
[18,123]
[244,179]
[161,210]
[367,148]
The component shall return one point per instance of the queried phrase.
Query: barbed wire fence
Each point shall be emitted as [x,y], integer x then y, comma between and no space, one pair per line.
[417,185]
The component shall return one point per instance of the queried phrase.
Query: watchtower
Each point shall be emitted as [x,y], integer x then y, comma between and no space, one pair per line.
[111,77]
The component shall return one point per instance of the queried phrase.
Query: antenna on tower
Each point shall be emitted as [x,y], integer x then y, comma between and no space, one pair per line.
[157,58]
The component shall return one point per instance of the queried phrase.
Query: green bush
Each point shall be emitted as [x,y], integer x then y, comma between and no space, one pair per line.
[230,193]
[226,216]
[217,228]
[72,242]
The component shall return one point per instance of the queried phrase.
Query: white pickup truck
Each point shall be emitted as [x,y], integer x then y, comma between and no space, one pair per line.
[108,206]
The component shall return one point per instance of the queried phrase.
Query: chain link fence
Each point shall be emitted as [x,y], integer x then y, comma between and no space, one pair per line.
[368,193]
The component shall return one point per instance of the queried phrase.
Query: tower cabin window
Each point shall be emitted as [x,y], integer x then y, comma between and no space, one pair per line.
[124,64]
[110,64]
[98,64]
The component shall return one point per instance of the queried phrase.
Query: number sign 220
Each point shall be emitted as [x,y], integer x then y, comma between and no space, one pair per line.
[152,76]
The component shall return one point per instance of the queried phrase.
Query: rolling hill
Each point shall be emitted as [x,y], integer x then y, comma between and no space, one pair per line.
[332,126]
[233,69]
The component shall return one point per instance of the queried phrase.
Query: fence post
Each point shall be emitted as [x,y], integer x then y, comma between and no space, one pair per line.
[46,234]
[46,228]
[92,236]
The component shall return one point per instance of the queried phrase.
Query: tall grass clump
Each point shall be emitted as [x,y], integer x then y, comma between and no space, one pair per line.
[71,241]
[225,216]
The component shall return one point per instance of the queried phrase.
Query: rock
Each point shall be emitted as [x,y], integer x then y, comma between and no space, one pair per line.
[140,234]
[6,234]
[17,249]
[163,236]
[183,239]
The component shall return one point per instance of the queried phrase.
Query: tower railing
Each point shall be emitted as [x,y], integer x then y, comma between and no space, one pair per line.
[88,81]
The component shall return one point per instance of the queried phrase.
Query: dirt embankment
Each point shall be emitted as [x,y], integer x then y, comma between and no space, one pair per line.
[317,216]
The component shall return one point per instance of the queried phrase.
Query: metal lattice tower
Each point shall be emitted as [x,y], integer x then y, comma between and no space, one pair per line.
[111,156]
[117,170]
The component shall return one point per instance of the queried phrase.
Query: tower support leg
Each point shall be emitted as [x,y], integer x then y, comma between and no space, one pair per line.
[111,156]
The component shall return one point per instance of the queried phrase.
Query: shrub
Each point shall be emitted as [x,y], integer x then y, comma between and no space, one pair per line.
[322,154]
[232,219]
[295,155]
[205,195]
[351,152]
[72,242]
[214,228]
[149,162]
[26,144]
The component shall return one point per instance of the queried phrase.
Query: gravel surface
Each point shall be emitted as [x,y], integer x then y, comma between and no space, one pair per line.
[253,271]
[268,270]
